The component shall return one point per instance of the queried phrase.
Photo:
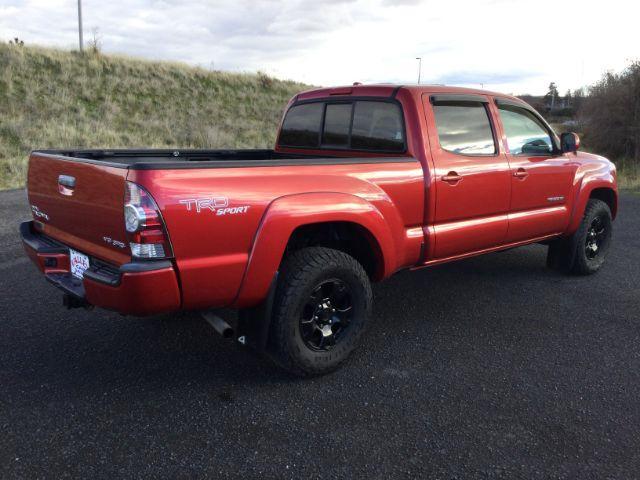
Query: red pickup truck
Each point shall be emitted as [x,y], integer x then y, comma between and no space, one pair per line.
[364,181]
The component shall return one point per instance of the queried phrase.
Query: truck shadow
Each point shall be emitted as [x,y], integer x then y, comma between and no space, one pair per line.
[100,351]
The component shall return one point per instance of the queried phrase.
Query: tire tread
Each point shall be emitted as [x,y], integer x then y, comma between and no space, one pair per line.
[297,267]
[579,265]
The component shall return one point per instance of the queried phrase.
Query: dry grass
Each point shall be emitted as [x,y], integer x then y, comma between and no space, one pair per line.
[58,99]
[628,175]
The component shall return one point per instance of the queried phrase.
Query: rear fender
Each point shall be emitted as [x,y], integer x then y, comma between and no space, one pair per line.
[286,214]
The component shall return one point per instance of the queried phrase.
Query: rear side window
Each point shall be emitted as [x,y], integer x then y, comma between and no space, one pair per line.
[301,126]
[360,125]
[464,128]
[526,134]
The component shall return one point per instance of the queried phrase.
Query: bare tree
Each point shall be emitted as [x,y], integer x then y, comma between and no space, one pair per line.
[95,43]
[611,114]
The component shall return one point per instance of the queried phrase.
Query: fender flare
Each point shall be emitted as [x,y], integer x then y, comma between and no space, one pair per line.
[285,214]
[584,188]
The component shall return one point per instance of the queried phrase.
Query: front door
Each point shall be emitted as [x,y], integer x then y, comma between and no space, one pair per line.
[541,177]
[472,177]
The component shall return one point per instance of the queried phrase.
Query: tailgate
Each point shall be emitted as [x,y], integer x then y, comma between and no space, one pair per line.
[80,204]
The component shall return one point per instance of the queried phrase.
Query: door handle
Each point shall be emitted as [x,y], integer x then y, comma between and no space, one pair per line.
[451,177]
[521,173]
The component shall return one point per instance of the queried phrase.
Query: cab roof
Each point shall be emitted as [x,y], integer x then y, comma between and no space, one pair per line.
[388,90]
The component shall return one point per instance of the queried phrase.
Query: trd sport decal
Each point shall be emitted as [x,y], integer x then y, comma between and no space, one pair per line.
[217,204]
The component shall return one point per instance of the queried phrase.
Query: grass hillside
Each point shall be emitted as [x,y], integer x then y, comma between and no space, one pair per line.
[58,99]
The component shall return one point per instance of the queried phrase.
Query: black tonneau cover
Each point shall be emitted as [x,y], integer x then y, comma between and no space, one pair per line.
[150,159]
[132,156]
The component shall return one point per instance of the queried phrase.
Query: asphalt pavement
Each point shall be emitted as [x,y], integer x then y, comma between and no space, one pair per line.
[492,367]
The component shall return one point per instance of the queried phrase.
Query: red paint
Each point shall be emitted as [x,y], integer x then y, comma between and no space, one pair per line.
[471,211]
[61,261]
[82,219]
[437,208]
[279,200]
[143,293]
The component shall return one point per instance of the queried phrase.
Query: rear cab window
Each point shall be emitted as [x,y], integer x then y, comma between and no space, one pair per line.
[337,122]
[301,126]
[360,125]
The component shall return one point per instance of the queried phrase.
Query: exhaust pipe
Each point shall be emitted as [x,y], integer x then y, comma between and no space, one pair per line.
[218,324]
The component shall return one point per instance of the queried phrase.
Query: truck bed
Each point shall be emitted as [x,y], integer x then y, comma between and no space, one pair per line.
[156,159]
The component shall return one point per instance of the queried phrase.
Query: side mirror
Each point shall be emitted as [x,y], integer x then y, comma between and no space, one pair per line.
[569,142]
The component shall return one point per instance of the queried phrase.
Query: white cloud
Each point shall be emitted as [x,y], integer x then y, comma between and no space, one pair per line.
[509,45]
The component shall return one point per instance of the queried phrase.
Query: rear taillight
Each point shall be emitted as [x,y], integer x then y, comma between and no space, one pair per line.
[144,225]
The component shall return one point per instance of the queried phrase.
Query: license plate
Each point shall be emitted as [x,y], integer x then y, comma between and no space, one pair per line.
[79,263]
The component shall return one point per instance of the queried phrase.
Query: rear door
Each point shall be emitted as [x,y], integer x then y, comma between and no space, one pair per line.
[473,180]
[80,204]
[541,176]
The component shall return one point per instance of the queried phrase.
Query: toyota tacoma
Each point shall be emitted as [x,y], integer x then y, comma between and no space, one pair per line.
[364,181]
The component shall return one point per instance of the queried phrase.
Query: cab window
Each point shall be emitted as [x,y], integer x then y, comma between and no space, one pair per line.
[337,121]
[377,126]
[526,134]
[364,125]
[301,126]
[464,128]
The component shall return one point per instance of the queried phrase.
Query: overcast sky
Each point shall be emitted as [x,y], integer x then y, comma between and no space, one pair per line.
[514,46]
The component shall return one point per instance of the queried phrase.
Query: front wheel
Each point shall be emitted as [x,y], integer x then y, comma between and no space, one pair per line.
[585,251]
[322,305]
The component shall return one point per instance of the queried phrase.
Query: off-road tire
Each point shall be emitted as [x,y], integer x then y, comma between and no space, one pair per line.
[302,271]
[570,254]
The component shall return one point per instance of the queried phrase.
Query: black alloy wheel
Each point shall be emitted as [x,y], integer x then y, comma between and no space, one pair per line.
[585,251]
[326,316]
[596,236]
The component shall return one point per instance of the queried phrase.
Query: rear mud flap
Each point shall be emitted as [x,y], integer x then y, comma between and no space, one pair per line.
[254,323]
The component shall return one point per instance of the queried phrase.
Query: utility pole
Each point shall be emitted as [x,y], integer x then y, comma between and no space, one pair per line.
[419,68]
[80,24]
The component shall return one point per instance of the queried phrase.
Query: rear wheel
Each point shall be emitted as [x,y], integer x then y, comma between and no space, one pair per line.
[585,251]
[323,302]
